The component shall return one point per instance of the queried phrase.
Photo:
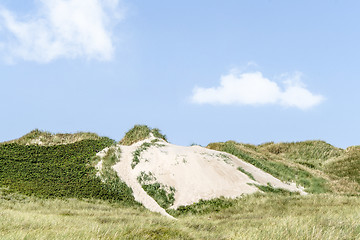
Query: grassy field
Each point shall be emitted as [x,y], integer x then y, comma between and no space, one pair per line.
[259,216]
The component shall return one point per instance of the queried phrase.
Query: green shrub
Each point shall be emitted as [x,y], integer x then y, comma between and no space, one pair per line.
[57,171]
[162,194]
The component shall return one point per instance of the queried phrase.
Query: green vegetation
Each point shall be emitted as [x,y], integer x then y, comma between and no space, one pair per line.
[258,216]
[43,138]
[109,176]
[137,153]
[281,170]
[139,150]
[309,153]
[246,172]
[347,166]
[57,171]
[140,132]
[144,177]
[162,194]
[271,189]
[203,207]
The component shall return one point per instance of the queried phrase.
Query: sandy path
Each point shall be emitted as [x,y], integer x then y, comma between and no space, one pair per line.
[126,174]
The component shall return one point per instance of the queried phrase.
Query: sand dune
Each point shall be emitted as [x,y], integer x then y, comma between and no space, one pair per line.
[193,173]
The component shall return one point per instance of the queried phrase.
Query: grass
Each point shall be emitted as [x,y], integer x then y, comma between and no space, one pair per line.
[44,138]
[246,172]
[259,216]
[140,132]
[281,170]
[271,189]
[347,166]
[309,153]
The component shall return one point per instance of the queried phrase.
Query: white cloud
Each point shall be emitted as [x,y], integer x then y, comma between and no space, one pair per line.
[62,28]
[254,89]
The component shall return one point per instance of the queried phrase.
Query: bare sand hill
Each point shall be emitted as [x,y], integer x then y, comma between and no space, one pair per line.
[190,173]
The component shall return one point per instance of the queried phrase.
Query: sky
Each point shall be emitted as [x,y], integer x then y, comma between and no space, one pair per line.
[201,71]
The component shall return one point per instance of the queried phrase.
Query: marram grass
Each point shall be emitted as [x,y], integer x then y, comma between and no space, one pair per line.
[258,216]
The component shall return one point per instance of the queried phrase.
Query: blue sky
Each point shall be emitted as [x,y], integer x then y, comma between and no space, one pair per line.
[201,71]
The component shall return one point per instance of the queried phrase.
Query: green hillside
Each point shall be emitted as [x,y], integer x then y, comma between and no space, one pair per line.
[64,170]
[346,166]
[315,165]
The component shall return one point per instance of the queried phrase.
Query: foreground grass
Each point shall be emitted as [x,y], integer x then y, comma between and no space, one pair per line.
[257,216]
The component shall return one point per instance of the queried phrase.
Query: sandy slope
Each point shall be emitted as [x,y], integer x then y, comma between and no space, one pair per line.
[124,171]
[195,172]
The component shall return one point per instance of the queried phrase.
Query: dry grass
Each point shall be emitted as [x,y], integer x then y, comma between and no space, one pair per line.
[140,132]
[43,138]
[339,168]
[252,217]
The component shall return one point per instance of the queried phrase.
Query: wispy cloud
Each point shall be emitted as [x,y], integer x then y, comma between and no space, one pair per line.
[254,89]
[61,28]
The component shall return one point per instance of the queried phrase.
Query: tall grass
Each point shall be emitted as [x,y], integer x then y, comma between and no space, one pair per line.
[309,153]
[256,216]
[312,184]
[140,132]
[347,166]
[44,138]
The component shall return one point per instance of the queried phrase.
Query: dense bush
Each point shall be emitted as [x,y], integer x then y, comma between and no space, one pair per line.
[57,171]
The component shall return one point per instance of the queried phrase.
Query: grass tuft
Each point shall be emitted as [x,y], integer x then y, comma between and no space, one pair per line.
[140,132]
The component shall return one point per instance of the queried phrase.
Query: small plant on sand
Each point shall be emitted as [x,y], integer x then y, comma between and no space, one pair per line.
[246,172]
[143,147]
[137,153]
[162,194]
[225,158]
[270,189]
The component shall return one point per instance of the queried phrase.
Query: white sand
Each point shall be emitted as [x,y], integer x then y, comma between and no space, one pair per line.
[195,172]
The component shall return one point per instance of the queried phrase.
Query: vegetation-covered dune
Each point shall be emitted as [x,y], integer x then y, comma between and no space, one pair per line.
[316,165]
[49,183]
[43,138]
